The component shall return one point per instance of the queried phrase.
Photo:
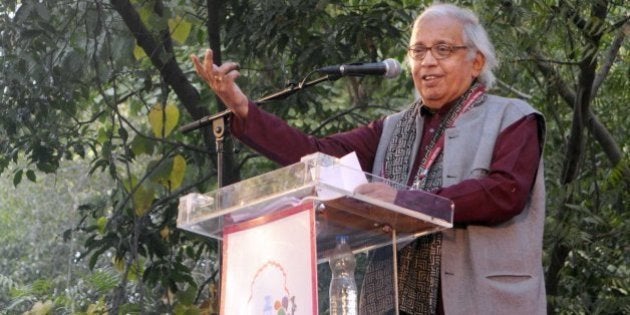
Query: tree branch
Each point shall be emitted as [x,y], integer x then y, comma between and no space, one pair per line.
[605,139]
[581,108]
[596,128]
[553,77]
[213,25]
[558,257]
[334,117]
[511,89]
[610,58]
[161,59]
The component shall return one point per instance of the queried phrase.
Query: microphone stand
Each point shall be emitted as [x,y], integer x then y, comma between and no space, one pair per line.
[218,126]
[218,120]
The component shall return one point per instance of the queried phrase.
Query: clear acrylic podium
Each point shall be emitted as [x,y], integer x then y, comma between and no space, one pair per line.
[278,229]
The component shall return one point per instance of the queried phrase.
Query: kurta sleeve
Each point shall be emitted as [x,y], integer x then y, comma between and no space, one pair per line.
[503,193]
[275,139]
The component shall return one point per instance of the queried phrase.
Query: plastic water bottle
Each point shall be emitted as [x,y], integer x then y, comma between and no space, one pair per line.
[343,288]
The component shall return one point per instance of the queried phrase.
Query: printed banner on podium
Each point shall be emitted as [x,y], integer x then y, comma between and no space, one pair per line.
[269,264]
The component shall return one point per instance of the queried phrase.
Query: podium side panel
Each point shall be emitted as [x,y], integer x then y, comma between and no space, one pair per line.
[269,264]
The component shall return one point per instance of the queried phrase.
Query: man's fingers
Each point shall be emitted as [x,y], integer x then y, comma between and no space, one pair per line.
[197,65]
[233,75]
[207,59]
[221,79]
[365,189]
[232,66]
[228,67]
[231,70]
[377,190]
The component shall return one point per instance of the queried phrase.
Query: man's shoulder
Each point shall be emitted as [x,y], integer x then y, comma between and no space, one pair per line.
[497,100]
[510,104]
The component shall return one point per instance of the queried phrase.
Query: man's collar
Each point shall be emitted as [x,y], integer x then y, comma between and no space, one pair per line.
[424,110]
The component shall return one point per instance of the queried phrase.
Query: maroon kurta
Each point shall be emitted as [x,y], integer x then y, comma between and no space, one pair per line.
[490,200]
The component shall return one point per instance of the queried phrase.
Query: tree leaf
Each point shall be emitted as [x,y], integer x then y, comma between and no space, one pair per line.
[135,271]
[160,171]
[187,297]
[101,223]
[141,145]
[178,171]
[142,199]
[118,263]
[17,178]
[165,232]
[138,52]
[143,196]
[163,119]
[30,174]
[179,28]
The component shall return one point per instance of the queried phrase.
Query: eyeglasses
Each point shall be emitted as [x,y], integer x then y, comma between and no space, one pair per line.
[439,51]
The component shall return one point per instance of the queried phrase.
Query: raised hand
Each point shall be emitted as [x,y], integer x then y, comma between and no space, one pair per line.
[221,80]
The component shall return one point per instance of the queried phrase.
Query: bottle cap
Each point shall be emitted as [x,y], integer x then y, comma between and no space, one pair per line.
[341,238]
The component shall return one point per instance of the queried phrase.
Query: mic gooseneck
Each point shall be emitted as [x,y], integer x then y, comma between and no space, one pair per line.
[389,68]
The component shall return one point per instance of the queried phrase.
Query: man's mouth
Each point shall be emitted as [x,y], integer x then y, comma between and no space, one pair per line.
[428,77]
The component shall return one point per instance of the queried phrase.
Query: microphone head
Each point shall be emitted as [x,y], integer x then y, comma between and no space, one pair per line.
[392,68]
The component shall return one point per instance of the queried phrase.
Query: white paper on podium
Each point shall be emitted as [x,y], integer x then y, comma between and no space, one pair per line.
[346,175]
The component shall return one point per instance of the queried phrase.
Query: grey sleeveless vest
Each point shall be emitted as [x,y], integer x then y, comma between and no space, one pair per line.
[486,269]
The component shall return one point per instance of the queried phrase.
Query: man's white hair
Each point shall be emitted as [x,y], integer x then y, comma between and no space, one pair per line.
[474,35]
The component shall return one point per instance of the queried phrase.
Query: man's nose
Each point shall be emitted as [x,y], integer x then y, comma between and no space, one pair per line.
[429,59]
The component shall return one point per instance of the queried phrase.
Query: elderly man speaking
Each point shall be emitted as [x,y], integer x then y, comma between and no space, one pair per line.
[482,151]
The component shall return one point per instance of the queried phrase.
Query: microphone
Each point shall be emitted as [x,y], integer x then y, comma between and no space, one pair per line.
[389,68]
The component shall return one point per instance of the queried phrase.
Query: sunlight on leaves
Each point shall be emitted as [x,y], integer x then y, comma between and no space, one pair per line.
[99,308]
[40,308]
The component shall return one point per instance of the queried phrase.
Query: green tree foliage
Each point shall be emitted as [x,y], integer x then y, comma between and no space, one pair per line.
[110,81]
[569,59]
[36,264]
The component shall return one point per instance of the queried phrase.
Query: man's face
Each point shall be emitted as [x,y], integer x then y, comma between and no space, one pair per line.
[441,81]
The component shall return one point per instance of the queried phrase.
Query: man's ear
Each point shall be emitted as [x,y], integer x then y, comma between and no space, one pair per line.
[478,63]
